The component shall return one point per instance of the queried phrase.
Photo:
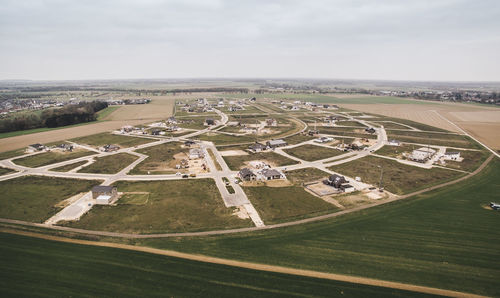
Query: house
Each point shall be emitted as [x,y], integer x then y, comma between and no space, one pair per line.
[110,148]
[347,187]
[253,99]
[196,153]
[422,154]
[276,143]
[270,174]
[394,143]
[104,194]
[171,120]
[247,175]
[323,140]
[65,147]
[257,147]
[127,128]
[36,147]
[189,143]
[335,180]
[271,122]
[452,155]
[295,108]
[209,121]
[370,130]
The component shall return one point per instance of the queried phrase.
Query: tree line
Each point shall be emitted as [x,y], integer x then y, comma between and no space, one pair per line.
[56,117]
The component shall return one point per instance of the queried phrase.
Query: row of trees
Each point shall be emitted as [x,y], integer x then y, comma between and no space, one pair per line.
[67,115]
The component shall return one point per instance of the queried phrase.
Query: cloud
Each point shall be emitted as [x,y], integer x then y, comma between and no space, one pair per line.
[380,39]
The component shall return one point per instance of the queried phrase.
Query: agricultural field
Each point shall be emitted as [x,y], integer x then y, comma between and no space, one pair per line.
[398,178]
[161,159]
[274,159]
[173,206]
[109,164]
[33,198]
[50,157]
[281,204]
[102,139]
[310,152]
[443,238]
[55,265]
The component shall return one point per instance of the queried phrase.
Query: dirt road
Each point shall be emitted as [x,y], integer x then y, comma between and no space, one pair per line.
[254,266]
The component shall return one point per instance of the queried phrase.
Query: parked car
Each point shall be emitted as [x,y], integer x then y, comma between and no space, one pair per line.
[185,176]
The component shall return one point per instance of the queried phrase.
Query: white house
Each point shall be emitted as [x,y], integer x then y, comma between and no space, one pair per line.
[454,155]
[422,154]
[394,143]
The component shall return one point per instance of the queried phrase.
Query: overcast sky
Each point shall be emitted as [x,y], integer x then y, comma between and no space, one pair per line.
[402,40]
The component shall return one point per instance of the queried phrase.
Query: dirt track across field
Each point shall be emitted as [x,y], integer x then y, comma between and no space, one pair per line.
[254,266]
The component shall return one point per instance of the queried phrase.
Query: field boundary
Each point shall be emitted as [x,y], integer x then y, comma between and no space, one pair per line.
[249,229]
[252,266]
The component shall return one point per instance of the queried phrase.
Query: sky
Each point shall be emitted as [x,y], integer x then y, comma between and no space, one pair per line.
[443,40]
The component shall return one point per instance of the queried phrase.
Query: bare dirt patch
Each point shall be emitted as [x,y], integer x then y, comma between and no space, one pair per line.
[233,153]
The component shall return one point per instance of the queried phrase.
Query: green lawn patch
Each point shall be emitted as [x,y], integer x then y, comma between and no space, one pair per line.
[69,167]
[50,157]
[103,114]
[105,138]
[173,206]
[300,176]
[32,198]
[298,138]
[37,267]
[224,139]
[398,178]
[275,159]
[134,198]
[310,152]
[347,132]
[439,139]
[396,151]
[5,171]
[350,123]
[109,164]
[445,239]
[281,204]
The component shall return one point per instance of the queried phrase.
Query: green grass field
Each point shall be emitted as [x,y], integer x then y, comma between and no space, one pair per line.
[69,167]
[32,198]
[445,238]
[398,178]
[472,160]
[51,157]
[281,204]
[5,171]
[300,176]
[298,138]
[347,132]
[394,151]
[275,159]
[158,157]
[430,138]
[105,138]
[13,153]
[102,114]
[224,139]
[173,206]
[36,267]
[310,152]
[110,164]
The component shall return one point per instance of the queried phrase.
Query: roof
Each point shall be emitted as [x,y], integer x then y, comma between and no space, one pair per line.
[37,145]
[103,197]
[276,142]
[245,172]
[270,172]
[257,146]
[452,153]
[102,188]
[336,177]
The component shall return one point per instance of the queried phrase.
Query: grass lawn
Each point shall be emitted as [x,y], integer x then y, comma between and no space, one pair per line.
[310,152]
[5,171]
[110,164]
[159,157]
[51,157]
[350,123]
[238,162]
[32,198]
[300,176]
[298,138]
[281,204]
[224,139]
[105,138]
[472,160]
[430,138]
[37,267]
[102,114]
[346,131]
[69,167]
[394,151]
[398,178]
[444,238]
[173,206]
[391,125]
[13,153]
